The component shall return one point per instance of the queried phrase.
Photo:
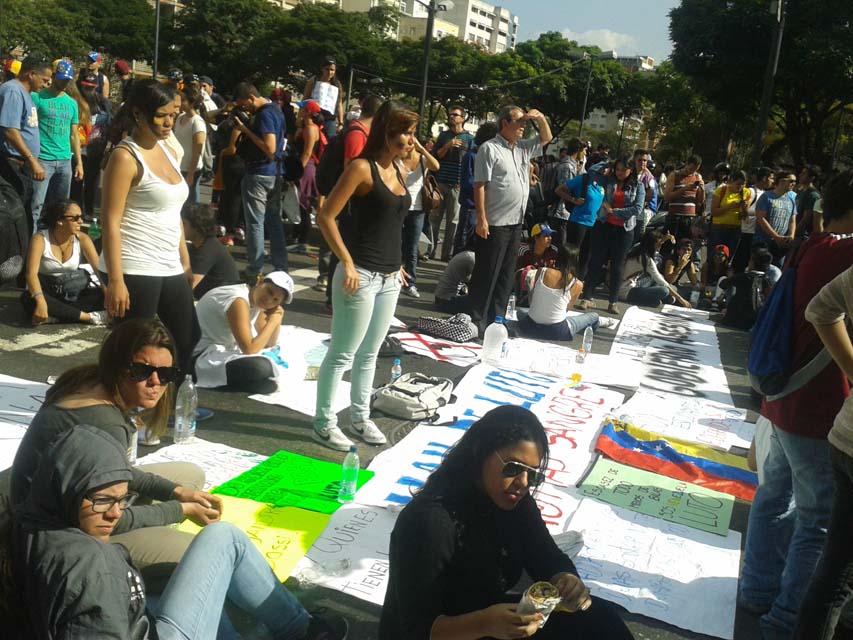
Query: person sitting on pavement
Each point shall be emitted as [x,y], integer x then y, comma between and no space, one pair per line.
[72,582]
[58,289]
[643,284]
[134,369]
[466,536]
[553,292]
[716,267]
[680,264]
[451,290]
[238,323]
[744,293]
[537,253]
[211,263]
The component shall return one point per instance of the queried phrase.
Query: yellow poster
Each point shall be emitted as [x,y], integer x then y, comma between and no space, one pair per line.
[281,534]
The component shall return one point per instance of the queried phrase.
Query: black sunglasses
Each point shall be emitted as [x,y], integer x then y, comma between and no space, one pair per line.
[140,371]
[512,469]
[76,218]
[102,505]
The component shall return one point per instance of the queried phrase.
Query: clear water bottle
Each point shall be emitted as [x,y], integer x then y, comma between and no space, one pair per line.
[495,342]
[185,411]
[396,370]
[349,476]
[95,230]
[510,308]
[136,421]
[586,346]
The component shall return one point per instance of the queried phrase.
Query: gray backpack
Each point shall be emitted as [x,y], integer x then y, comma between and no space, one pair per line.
[414,396]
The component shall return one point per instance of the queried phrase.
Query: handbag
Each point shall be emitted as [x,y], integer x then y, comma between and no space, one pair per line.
[290,203]
[431,196]
[458,328]
[66,286]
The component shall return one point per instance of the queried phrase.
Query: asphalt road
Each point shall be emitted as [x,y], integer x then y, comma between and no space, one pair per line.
[38,353]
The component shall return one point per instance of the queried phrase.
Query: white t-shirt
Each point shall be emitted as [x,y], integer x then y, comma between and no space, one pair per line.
[185,130]
[415,184]
[747,225]
[212,312]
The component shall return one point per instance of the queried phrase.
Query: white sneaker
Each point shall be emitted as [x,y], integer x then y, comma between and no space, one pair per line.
[367,431]
[332,437]
[608,323]
[98,318]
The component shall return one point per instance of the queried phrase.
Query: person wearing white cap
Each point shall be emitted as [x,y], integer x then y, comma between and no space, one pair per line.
[238,325]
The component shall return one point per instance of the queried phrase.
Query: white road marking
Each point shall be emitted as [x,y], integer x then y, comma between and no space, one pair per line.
[31,341]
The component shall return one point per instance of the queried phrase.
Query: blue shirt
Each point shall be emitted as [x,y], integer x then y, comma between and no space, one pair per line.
[268,120]
[450,169]
[17,111]
[587,213]
[779,211]
[466,180]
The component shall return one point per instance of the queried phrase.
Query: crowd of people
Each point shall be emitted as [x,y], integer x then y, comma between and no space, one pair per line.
[519,228]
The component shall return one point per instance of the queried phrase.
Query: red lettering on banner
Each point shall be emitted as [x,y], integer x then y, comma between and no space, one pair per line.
[560,434]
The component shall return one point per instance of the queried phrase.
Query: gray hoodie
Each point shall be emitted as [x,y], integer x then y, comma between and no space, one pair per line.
[74,585]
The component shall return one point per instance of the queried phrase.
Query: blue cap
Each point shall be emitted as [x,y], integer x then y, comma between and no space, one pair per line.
[542,229]
[499,319]
[94,56]
[63,70]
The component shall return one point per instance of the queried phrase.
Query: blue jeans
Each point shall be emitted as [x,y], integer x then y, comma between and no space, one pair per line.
[55,186]
[360,322]
[647,296]
[412,229]
[262,207]
[222,562]
[564,330]
[781,552]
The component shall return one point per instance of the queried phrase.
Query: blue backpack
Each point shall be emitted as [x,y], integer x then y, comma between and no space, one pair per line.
[771,349]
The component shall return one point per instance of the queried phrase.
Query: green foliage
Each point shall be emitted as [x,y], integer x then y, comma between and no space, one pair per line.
[43,26]
[122,29]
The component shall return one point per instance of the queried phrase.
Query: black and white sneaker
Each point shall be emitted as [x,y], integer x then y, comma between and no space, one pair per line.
[367,431]
[332,437]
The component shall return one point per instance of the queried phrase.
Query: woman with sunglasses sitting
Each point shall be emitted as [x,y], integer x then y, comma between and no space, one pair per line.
[460,545]
[57,288]
[71,582]
[134,369]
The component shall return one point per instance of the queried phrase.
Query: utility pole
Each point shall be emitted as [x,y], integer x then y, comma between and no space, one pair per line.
[585,98]
[431,9]
[777,8]
[156,36]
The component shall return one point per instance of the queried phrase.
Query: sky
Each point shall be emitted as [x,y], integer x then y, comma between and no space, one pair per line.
[629,27]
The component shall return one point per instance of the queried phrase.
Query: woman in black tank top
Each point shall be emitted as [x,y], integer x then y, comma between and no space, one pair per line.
[367,282]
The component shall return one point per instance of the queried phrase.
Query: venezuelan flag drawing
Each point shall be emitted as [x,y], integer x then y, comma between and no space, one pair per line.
[677,459]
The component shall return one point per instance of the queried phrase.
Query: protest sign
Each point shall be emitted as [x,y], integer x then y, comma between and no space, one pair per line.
[692,419]
[219,461]
[20,400]
[281,534]
[461,354]
[351,555]
[658,496]
[678,352]
[289,480]
[659,569]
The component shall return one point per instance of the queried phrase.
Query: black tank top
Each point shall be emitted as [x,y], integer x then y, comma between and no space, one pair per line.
[375,241]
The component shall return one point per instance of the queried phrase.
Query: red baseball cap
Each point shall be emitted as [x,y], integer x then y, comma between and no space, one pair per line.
[721,248]
[311,106]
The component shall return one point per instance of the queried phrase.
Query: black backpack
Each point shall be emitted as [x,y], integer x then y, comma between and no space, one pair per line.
[247,149]
[14,233]
[331,165]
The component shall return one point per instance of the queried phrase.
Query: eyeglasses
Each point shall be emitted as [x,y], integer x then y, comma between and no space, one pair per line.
[455,115]
[77,218]
[513,469]
[140,371]
[102,505]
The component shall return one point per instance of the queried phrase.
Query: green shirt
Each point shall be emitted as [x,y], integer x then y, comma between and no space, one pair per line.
[56,115]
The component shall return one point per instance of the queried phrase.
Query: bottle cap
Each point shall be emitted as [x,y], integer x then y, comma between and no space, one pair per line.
[499,319]
[353,449]
[396,360]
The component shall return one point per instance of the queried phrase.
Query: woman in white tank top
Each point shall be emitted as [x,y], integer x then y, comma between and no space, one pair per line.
[145,261]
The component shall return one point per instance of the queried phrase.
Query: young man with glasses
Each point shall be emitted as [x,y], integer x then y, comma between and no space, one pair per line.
[450,148]
[775,216]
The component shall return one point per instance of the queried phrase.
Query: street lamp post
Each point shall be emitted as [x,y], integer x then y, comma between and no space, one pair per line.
[156,36]
[777,7]
[432,7]
[604,55]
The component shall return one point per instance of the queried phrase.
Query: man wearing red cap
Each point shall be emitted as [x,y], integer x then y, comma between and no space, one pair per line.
[122,69]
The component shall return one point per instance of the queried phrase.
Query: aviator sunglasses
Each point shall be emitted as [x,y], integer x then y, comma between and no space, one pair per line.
[512,469]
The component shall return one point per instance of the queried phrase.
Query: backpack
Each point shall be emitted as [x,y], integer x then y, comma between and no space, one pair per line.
[458,328]
[247,149]
[14,233]
[771,349]
[414,396]
[331,165]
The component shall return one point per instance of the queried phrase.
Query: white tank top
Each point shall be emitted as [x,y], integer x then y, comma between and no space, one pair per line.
[151,225]
[50,266]
[548,306]
[326,95]
[415,183]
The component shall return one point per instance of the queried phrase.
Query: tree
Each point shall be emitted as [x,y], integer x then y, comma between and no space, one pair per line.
[33,27]
[726,58]
[122,29]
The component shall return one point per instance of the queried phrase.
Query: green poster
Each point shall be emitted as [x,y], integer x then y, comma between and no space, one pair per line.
[290,480]
[655,495]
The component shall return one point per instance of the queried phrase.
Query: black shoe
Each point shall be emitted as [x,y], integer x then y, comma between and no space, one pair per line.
[334,628]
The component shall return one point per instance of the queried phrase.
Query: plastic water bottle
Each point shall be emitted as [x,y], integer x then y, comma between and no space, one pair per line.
[95,230]
[185,411]
[510,307]
[396,370]
[586,346]
[495,342]
[134,441]
[349,476]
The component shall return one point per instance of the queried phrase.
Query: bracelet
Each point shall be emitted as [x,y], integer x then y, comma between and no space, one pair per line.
[36,295]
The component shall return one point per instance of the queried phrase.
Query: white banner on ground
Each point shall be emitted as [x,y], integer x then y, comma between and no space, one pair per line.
[691,419]
[678,351]
[220,462]
[352,553]
[461,354]
[663,570]
[19,401]
[304,350]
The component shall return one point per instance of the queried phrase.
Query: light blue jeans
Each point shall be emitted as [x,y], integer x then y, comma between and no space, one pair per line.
[55,186]
[787,528]
[262,207]
[221,562]
[360,322]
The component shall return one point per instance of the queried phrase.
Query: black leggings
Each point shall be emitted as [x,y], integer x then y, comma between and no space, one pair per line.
[171,299]
[601,620]
[89,300]
[580,235]
[251,375]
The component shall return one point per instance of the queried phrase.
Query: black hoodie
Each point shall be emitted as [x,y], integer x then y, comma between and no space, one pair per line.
[74,585]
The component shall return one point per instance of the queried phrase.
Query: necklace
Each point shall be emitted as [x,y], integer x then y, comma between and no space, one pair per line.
[63,248]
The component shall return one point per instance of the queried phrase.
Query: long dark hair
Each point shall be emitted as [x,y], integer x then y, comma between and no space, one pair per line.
[115,356]
[53,211]
[647,247]
[392,119]
[625,161]
[838,196]
[458,477]
[567,263]
[146,96]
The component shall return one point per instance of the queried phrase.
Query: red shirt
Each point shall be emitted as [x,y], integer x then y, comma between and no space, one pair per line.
[811,410]
[618,203]
[355,141]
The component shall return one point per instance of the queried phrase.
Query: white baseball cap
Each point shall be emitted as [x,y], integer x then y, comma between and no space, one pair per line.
[283,281]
